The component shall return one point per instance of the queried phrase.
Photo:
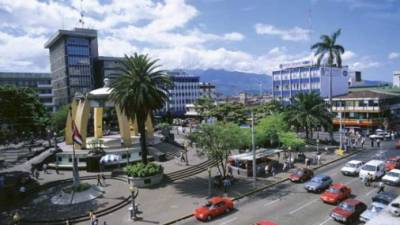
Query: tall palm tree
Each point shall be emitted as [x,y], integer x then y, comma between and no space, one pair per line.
[308,111]
[140,90]
[329,49]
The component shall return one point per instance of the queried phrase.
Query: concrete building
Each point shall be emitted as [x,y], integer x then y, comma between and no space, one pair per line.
[396,78]
[41,82]
[366,110]
[207,90]
[294,78]
[106,67]
[72,54]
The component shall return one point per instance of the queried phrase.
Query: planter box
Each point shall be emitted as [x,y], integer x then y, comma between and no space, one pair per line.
[146,181]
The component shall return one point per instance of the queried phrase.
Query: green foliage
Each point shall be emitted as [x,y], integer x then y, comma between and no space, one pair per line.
[290,139]
[330,49]
[309,111]
[263,110]
[217,140]
[143,170]
[22,113]
[230,112]
[140,90]
[204,106]
[269,128]
[59,118]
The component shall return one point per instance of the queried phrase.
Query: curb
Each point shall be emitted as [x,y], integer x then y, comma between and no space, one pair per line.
[267,186]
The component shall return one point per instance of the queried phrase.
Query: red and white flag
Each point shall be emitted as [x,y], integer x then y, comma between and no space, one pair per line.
[76,136]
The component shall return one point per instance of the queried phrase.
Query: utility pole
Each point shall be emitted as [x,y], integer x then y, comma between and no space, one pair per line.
[254,150]
[340,131]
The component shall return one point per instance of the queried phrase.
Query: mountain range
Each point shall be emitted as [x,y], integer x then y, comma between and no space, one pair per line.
[230,83]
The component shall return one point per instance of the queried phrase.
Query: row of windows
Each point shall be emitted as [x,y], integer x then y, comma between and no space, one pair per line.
[76,60]
[79,70]
[78,50]
[297,86]
[356,103]
[80,81]
[77,41]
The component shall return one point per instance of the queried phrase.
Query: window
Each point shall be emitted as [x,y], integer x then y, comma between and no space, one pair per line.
[77,41]
[77,50]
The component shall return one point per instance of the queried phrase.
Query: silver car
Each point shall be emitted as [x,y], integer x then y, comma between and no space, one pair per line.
[318,183]
[372,211]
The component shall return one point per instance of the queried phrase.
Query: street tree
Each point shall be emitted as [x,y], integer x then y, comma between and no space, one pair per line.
[141,89]
[230,112]
[217,141]
[269,128]
[59,117]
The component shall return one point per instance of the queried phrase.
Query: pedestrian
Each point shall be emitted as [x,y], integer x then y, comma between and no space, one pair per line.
[95,221]
[98,180]
[378,143]
[319,158]
[67,222]
[273,170]
[284,166]
[366,181]
[44,168]
[392,135]
[307,162]
[267,169]
[91,215]
[362,142]
[372,142]
[56,168]
[226,184]
[37,174]
[381,187]
[182,157]
[103,177]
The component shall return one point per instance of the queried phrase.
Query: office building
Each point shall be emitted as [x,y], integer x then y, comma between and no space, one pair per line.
[207,90]
[106,67]
[294,78]
[41,82]
[396,78]
[366,110]
[72,54]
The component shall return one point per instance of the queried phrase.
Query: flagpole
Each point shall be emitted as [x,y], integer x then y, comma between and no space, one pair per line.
[75,171]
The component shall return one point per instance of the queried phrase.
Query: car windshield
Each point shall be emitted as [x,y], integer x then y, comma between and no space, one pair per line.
[374,208]
[351,165]
[208,204]
[316,179]
[393,174]
[333,190]
[299,172]
[369,168]
[346,207]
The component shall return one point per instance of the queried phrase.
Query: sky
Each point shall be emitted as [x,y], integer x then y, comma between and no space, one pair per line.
[238,35]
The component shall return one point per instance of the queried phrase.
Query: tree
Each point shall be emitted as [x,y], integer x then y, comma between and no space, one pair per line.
[59,118]
[141,89]
[328,48]
[230,112]
[269,128]
[21,113]
[216,141]
[290,139]
[308,111]
[204,106]
[264,110]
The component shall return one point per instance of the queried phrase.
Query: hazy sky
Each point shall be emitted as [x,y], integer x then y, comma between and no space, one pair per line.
[243,35]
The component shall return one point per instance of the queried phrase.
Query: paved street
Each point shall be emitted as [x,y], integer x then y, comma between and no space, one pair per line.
[290,204]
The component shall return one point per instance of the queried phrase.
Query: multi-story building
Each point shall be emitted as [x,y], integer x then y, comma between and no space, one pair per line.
[396,78]
[72,54]
[366,110]
[41,82]
[106,67]
[185,91]
[293,78]
[207,90]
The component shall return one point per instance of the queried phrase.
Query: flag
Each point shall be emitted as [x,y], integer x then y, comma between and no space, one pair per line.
[76,136]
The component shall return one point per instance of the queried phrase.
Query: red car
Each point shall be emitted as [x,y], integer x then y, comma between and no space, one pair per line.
[392,163]
[215,206]
[336,193]
[301,175]
[265,222]
[348,211]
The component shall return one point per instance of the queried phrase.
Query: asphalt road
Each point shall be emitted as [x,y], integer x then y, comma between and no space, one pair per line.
[290,204]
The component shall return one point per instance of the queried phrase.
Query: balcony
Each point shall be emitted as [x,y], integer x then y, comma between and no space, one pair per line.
[356,109]
[358,122]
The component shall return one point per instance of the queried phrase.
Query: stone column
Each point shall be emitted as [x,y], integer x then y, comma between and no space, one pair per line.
[68,123]
[123,124]
[149,127]
[98,122]
[81,120]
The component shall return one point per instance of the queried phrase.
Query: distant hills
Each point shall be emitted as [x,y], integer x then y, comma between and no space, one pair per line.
[231,83]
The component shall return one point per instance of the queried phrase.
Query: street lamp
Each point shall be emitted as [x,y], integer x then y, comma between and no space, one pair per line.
[209,182]
[55,141]
[134,193]
[254,150]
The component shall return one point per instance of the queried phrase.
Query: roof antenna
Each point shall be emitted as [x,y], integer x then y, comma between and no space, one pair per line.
[81,21]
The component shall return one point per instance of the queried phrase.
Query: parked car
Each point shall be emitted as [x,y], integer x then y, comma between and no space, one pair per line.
[301,175]
[265,222]
[374,209]
[348,211]
[394,208]
[392,177]
[376,168]
[336,193]
[215,206]
[318,183]
[384,197]
[392,163]
[352,168]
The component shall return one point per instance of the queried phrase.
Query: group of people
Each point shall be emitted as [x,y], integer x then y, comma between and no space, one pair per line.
[368,180]
[101,177]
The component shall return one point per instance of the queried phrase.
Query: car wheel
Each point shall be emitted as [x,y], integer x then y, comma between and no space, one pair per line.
[209,218]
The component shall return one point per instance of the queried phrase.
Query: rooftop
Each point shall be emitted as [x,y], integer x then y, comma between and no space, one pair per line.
[366,94]
[76,32]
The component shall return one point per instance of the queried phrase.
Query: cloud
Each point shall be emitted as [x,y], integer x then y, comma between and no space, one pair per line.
[348,55]
[293,34]
[362,65]
[394,55]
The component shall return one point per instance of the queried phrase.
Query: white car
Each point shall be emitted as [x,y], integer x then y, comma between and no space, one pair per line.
[392,177]
[352,168]
[374,209]
[394,208]
[374,168]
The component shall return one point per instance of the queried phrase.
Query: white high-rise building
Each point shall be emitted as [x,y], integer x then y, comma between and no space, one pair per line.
[396,78]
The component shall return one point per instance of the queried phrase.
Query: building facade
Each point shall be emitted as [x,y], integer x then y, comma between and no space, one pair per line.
[72,55]
[294,78]
[366,110]
[41,82]
[396,78]
[207,90]
[106,67]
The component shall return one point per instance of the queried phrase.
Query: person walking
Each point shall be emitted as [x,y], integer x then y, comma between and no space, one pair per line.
[319,158]
[362,143]
[372,142]
[273,170]
[91,215]
[37,174]
[44,168]
[103,177]
[366,181]
[56,168]
[381,187]
[378,143]
[98,180]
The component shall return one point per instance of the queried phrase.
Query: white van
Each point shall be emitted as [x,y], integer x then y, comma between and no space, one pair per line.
[374,167]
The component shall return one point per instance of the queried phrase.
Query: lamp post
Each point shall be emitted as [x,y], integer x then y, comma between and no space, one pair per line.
[254,150]
[340,131]
[55,141]
[134,193]
[209,182]
[290,156]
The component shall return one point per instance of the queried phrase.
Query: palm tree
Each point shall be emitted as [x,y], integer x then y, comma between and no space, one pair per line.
[329,49]
[140,90]
[308,111]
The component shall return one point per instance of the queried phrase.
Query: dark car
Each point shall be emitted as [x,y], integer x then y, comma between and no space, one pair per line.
[301,175]
[384,197]
[318,183]
[348,211]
